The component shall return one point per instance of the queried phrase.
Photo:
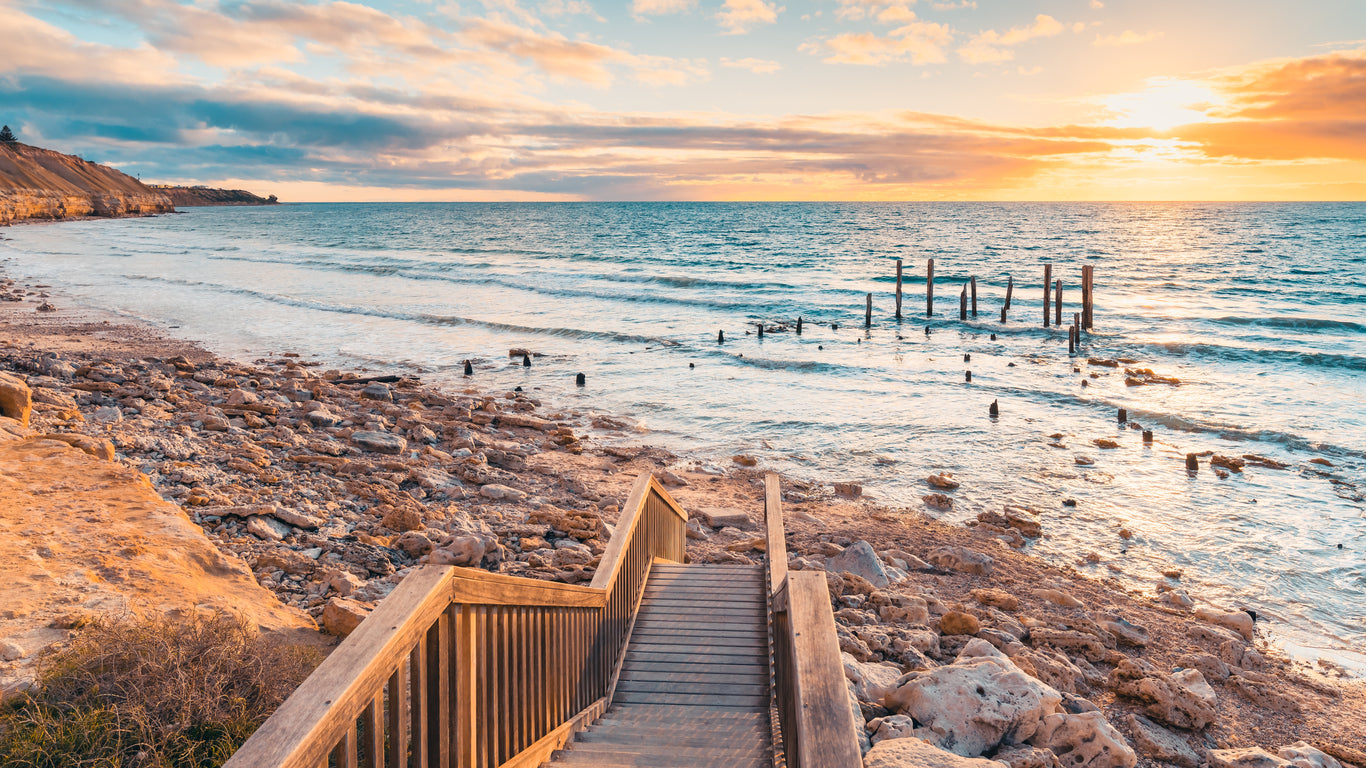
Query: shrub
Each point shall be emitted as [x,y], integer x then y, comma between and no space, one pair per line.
[152,693]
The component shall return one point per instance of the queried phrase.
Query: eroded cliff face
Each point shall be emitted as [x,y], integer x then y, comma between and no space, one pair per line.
[41,184]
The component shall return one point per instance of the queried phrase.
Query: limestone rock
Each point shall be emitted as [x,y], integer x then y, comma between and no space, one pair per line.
[1084,741]
[267,528]
[465,550]
[97,447]
[959,623]
[893,727]
[343,582]
[379,442]
[1238,621]
[917,753]
[899,609]
[1184,700]
[996,597]
[944,480]
[1082,643]
[860,560]
[726,517]
[402,519]
[962,559]
[16,399]
[501,492]
[1124,631]
[1028,757]
[975,704]
[1157,742]
[1055,597]
[414,544]
[1302,755]
[341,616]
[1246,757]
[871,682]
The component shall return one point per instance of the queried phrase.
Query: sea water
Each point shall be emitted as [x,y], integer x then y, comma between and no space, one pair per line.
[1259,310]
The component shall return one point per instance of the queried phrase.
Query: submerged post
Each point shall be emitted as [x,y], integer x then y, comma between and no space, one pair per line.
[761,328]
[974,295]
[963,304]
[1010,288]
[898,289]
[1057,305]
[929,289]
[1047,290]
[799,326]
[868,313]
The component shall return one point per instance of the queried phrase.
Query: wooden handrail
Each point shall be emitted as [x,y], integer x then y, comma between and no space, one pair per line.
[810,693]
[465,668]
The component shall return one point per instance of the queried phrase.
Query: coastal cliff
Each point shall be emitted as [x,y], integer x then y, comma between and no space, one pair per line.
[185,197]
[41,184]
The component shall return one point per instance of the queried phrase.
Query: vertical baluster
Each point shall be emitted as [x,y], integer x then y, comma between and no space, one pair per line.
[419,703]
[347,758]
[466,657]
[439,691]
[507,718]
[525,691]
[489,716]
[372,745]
[398,716]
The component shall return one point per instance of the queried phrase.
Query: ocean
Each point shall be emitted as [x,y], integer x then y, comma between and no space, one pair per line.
[1258,309]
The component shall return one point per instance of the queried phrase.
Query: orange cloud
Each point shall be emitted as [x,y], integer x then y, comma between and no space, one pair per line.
[919,42]
[992,46]
[738,16]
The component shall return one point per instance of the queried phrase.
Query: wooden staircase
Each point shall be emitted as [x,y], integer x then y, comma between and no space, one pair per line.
[655,663]
[694,687]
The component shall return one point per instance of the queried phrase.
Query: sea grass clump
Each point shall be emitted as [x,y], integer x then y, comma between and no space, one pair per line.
[153,693]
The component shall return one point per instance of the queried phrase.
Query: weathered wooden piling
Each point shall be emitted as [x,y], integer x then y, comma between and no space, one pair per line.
[967,357]
[1088,295]
[898,289]
[868,313]
[1192,463]
[799,326]
[1123,415]
[994,410]
[580,380]
[1047,291]
[1057,305]
[761,328]
[973,283]
[1071,340]
[1010,288]
[526,360]
[1148,436]
[967,375]
[721,337]
[929,289]
[1003,315]
[963,304]
[469,369]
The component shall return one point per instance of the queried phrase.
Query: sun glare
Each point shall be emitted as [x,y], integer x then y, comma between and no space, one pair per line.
[1165,104]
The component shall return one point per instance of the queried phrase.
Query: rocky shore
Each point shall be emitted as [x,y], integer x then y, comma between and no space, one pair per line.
[960,649]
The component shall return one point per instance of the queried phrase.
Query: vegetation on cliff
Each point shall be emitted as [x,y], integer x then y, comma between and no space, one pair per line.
[185,197]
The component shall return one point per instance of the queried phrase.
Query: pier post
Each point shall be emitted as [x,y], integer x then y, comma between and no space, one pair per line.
[1088,296]
[868,313]
[761,328]
[974,295]
[1047,291]
[1010,288]
[929,289]
[963,304]
[1071,340]
[898,289]
[1057,305]
[1003,315]
[799,325]
[721,337]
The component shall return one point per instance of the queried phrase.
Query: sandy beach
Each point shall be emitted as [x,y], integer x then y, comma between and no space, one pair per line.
[327,486]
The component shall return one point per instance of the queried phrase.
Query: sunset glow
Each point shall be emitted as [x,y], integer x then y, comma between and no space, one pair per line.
[700,99]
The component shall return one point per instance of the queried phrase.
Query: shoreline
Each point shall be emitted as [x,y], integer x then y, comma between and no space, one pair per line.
[472,463]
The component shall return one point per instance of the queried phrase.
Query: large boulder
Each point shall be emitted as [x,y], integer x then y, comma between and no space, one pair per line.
[380,442]
[975,704]
[1159,743]
[860,560]
[916,753]
[1086,740]
[16,399]
[1182,699]
[1302,755]
[1238,621]
[870,682]
[1246,757]
[962,559]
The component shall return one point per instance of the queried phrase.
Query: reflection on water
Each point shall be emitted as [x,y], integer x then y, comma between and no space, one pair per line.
[1258,309]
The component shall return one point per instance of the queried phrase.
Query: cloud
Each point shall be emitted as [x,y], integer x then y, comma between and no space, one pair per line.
[992,46]
[738,16]
[643,8]
[1127,37]
[758,66]
[918,42]
[953,6]
[1097,4]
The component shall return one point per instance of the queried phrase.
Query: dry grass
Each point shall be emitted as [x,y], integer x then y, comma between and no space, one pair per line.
[152,693]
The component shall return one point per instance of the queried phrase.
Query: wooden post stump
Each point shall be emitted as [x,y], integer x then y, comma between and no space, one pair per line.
[973,283]
[898,289]
[868,313]
[1047,291]
[799,326]
[1057,305]
[963,304]
[1010,288]
[929,289]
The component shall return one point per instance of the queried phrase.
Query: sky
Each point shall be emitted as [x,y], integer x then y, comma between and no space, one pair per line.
[415,100]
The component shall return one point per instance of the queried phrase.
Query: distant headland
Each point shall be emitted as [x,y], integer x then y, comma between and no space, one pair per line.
[185,197]
[42,185]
